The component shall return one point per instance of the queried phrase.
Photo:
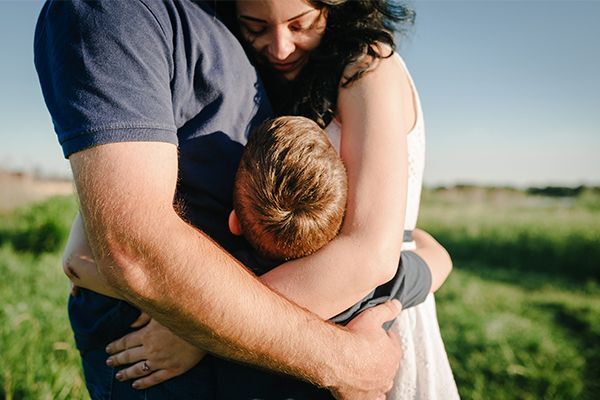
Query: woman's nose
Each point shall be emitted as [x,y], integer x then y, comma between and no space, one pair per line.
[282,44]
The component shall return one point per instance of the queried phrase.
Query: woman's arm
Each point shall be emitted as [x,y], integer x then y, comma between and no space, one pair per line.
[435,255]
[79,264]
[376,112]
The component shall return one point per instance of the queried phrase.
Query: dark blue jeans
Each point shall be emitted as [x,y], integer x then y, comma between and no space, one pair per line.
[212,379]
[97,320]
[241,382]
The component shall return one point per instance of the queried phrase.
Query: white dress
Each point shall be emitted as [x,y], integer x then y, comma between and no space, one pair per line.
[424,371]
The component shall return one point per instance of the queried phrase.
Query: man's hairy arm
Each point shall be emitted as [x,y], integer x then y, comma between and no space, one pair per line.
[156,261]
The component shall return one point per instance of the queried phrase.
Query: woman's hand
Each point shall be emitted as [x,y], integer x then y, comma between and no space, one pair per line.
[79,264]
[155,353]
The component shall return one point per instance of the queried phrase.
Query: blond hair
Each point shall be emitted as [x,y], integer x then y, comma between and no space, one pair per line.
[290,189]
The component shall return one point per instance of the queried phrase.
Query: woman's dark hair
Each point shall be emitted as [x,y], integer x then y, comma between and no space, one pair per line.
[354,29]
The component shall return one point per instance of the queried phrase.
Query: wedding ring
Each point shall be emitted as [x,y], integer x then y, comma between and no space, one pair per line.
[145,367]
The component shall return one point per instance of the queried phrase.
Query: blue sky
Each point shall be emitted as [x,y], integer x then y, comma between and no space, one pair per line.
[510,91]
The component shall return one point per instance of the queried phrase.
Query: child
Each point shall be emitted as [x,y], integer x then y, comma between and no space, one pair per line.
[290,189]
[289,199]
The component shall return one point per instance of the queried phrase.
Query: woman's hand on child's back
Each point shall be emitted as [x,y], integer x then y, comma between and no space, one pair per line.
[154,354]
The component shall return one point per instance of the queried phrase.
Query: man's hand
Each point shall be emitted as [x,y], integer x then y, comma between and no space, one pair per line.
[377,355]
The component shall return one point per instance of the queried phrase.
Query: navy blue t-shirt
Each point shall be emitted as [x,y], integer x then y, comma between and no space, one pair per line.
[143,70]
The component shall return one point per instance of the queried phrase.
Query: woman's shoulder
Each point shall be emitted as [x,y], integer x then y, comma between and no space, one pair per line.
[382,81]
[381,59]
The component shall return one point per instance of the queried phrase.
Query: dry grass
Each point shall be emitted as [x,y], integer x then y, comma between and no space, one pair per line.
[20,189]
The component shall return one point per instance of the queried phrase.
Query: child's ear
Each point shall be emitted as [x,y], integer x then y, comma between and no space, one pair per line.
[234,224]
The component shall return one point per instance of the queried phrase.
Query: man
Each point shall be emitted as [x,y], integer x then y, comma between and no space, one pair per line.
[151,101]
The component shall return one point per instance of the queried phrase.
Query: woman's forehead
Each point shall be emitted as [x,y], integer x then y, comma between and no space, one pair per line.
[274,11]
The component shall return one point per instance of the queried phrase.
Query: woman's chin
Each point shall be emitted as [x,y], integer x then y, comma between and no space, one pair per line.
[285,76]
[290,76]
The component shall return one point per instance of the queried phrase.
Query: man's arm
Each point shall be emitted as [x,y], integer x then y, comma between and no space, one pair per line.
[179,276]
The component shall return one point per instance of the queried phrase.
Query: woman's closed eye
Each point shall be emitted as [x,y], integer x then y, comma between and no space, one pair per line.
[255,30]
[305,24]
[258,31]
[300,28]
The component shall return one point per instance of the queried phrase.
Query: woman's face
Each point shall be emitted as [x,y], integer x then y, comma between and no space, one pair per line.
[282,32]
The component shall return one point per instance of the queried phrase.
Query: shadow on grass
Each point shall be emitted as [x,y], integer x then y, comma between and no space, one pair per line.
[40,228]
[575,257]
[18,394]
[529,280]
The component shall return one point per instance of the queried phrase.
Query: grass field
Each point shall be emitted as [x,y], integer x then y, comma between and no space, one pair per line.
[520,314]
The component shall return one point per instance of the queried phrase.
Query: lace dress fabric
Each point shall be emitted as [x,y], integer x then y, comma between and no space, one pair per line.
[424,372]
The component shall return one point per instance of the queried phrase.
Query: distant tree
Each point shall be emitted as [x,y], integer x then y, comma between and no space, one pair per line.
[556,191]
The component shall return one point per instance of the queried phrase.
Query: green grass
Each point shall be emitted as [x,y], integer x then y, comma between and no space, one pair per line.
[511,230]
[40,228]
[520,314]
[39,360]
[511,341]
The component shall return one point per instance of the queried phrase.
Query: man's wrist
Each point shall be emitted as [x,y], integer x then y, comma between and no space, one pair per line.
[336,367]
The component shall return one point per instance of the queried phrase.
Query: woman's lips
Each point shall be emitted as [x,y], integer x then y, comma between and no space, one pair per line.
[285,67]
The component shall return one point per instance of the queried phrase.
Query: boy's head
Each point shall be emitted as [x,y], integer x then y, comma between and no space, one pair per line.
[290,190]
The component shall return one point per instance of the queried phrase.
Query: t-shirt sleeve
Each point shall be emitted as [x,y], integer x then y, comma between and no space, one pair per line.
[413,280]
[410,285]
[104,69]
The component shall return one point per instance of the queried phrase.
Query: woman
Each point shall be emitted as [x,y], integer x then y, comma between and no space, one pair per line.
[333,61]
